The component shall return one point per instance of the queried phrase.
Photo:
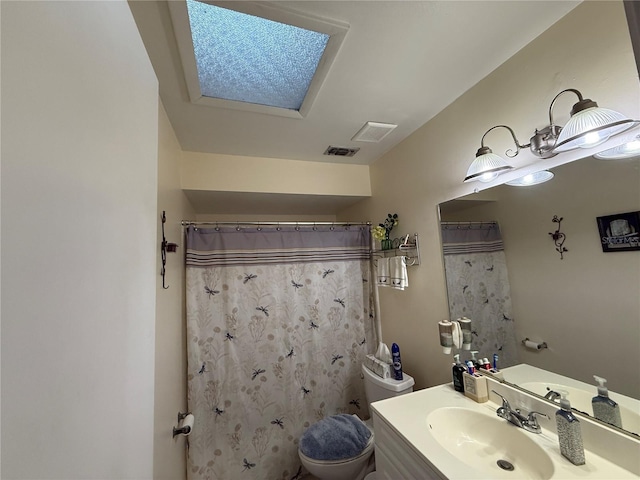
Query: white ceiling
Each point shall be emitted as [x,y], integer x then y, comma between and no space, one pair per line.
[402,62]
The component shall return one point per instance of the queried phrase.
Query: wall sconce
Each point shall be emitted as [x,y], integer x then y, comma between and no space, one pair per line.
[559,237]
[588,126]
[532,179]
[487,165]
[164,248]
[627,150]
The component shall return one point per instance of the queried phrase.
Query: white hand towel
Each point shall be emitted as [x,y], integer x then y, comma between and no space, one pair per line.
[382,274]
[398,273]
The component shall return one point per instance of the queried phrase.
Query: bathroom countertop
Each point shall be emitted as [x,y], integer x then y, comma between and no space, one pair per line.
[407,416]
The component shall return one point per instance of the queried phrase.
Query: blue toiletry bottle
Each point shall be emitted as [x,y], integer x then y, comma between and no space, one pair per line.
[397,363]
[471,369]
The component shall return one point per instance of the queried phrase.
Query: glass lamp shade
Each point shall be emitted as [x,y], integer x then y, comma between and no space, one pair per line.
[532,179]
[486,167]
[590,127]
[626,150]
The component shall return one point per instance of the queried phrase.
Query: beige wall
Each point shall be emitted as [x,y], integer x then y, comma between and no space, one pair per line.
[428,167]
[79,194]
[169,460]
[586,305]
[230,173]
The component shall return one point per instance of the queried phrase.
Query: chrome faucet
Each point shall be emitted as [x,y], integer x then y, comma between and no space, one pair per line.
[552,395]
[528,423]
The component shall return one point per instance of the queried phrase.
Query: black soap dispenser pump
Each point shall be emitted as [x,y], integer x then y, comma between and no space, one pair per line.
[458,370]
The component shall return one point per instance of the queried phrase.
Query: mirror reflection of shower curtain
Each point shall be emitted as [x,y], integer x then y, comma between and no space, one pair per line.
[278,323]
[478,286]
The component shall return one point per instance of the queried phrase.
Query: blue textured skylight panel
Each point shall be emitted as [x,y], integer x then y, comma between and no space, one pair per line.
[251,59]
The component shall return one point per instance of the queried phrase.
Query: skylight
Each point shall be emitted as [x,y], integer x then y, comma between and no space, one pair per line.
[254,56]
[251,59]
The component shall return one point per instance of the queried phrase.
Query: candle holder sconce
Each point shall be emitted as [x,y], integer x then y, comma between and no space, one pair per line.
[559,237]
[164,248]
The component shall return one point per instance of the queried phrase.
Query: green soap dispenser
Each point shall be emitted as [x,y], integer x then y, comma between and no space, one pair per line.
[605,409]
[569,432]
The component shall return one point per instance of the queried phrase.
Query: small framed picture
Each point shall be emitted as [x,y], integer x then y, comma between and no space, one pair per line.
[620,232]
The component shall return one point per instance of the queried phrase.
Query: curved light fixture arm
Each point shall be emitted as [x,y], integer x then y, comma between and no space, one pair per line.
[553,102]
[515,140]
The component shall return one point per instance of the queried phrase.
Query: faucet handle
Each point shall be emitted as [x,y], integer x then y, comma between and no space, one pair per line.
[505,402]
[532,418]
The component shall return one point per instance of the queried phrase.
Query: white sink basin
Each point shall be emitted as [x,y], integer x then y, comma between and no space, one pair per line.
[483,441]
[581,400]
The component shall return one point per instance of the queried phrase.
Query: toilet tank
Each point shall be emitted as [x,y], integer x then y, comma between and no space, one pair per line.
[377,388]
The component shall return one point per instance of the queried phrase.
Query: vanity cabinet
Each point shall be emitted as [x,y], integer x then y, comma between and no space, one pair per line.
[438,433]
[395,458]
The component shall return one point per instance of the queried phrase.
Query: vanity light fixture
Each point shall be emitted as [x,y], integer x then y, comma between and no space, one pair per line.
[532,179]
[588,126]
[626,150]
[487,165]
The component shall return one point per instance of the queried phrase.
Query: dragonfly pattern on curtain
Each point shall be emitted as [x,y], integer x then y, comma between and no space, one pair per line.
[278,324]
[478,287]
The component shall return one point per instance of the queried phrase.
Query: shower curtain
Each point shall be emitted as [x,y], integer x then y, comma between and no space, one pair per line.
[478,286]
[278,323]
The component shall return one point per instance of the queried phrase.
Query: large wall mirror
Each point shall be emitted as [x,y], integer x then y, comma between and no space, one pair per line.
[583,302]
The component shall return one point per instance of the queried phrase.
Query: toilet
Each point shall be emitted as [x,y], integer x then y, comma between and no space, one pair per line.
[361,464]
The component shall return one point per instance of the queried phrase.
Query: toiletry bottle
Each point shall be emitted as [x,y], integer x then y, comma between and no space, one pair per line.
[569,432]
[495,362]
[475,361]
[471,369]
[397,363]
[485,364]
[604,408]
[458,370]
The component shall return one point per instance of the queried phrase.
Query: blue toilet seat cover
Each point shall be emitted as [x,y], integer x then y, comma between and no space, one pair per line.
[335,438]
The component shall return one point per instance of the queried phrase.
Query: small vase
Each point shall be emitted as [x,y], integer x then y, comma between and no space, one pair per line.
[385,244]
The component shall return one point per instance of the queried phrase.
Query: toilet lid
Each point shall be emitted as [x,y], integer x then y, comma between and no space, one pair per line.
[335,438]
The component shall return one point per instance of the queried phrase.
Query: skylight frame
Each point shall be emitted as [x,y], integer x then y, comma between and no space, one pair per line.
[336,30]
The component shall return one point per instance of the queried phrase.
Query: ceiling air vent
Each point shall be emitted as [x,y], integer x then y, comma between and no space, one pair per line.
[341,151]
[373,132]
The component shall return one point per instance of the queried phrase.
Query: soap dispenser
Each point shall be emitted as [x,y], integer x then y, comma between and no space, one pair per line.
[477,365]
[458,370]
[604,408]
[569,432]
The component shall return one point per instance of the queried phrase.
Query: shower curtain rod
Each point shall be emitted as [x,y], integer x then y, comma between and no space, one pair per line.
[276,224]
[468,224]
[489,222]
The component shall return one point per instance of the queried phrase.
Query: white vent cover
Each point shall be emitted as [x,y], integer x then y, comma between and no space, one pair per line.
[373,132]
